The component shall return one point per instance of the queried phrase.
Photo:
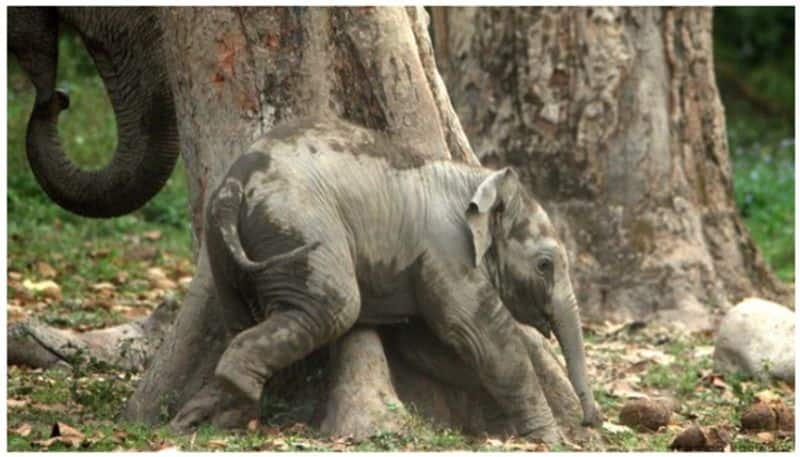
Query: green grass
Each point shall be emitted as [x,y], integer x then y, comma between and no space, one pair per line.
[755,75]
[764,174]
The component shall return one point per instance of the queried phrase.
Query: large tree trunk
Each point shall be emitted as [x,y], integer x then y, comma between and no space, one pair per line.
[613,118]
[238,72]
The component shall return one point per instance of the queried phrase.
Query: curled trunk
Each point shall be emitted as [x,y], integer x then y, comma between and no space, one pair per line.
[126,47]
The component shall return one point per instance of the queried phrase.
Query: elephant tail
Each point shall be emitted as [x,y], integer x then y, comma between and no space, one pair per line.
[223,215]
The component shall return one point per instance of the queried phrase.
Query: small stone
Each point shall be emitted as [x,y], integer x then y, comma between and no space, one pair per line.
[756,337]
[645,414]
[759,417]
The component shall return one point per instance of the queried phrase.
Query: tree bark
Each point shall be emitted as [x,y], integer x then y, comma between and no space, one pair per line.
[238,72]
[613,118]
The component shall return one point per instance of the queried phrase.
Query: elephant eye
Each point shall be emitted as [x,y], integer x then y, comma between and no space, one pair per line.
[544,266]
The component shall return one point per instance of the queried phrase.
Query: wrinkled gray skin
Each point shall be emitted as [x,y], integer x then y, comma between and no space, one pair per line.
[313,231]
[125,45]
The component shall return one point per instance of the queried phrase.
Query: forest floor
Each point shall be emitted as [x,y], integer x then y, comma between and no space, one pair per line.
[96,278]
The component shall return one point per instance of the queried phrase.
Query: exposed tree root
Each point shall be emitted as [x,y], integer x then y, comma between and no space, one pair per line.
[128,346]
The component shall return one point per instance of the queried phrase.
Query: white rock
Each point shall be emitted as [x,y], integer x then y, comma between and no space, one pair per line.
[757,337]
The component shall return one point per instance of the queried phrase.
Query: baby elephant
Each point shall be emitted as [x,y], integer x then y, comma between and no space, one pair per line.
[322,225]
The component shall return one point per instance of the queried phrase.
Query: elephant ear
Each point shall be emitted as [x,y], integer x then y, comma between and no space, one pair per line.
[488,198]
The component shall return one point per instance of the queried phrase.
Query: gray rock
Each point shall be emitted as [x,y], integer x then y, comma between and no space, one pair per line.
[757,337]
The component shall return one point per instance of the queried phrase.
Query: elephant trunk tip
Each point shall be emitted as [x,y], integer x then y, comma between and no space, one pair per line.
[51,108]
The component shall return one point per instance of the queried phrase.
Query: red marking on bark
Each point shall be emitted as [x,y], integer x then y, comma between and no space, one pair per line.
[246,102]
[271,41]
[227,49]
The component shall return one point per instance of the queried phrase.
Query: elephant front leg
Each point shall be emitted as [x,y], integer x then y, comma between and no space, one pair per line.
[488,340]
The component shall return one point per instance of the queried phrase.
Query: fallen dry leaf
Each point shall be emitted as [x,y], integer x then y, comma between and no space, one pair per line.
[104,289]
[155,273]
[768,396]
[45,444]
[16,313]
[119,436]
[104,286]
[701,352]
[217,444]
[121,277]
[162,446]
[14,403]
[715,380]
[278,444]
[23,430]
[14,276]
[493,442]
[99,253]
[164,284]
[341,443]
[46,270]
[66,434]
[765,437]
[614,428]
[153,235]
[46,288]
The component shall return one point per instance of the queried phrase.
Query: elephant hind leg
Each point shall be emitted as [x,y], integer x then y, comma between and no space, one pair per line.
[286,336]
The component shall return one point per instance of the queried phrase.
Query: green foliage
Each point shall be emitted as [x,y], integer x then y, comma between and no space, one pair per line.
[755,46]
[754,57]
[763,174]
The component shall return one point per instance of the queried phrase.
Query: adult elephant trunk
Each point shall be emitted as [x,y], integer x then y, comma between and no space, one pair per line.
[125,45]
[567,328]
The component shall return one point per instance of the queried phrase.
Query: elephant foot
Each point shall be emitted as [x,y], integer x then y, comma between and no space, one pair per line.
[540,428]
[213,404]
[548,434]
[592,417]
[234,377]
